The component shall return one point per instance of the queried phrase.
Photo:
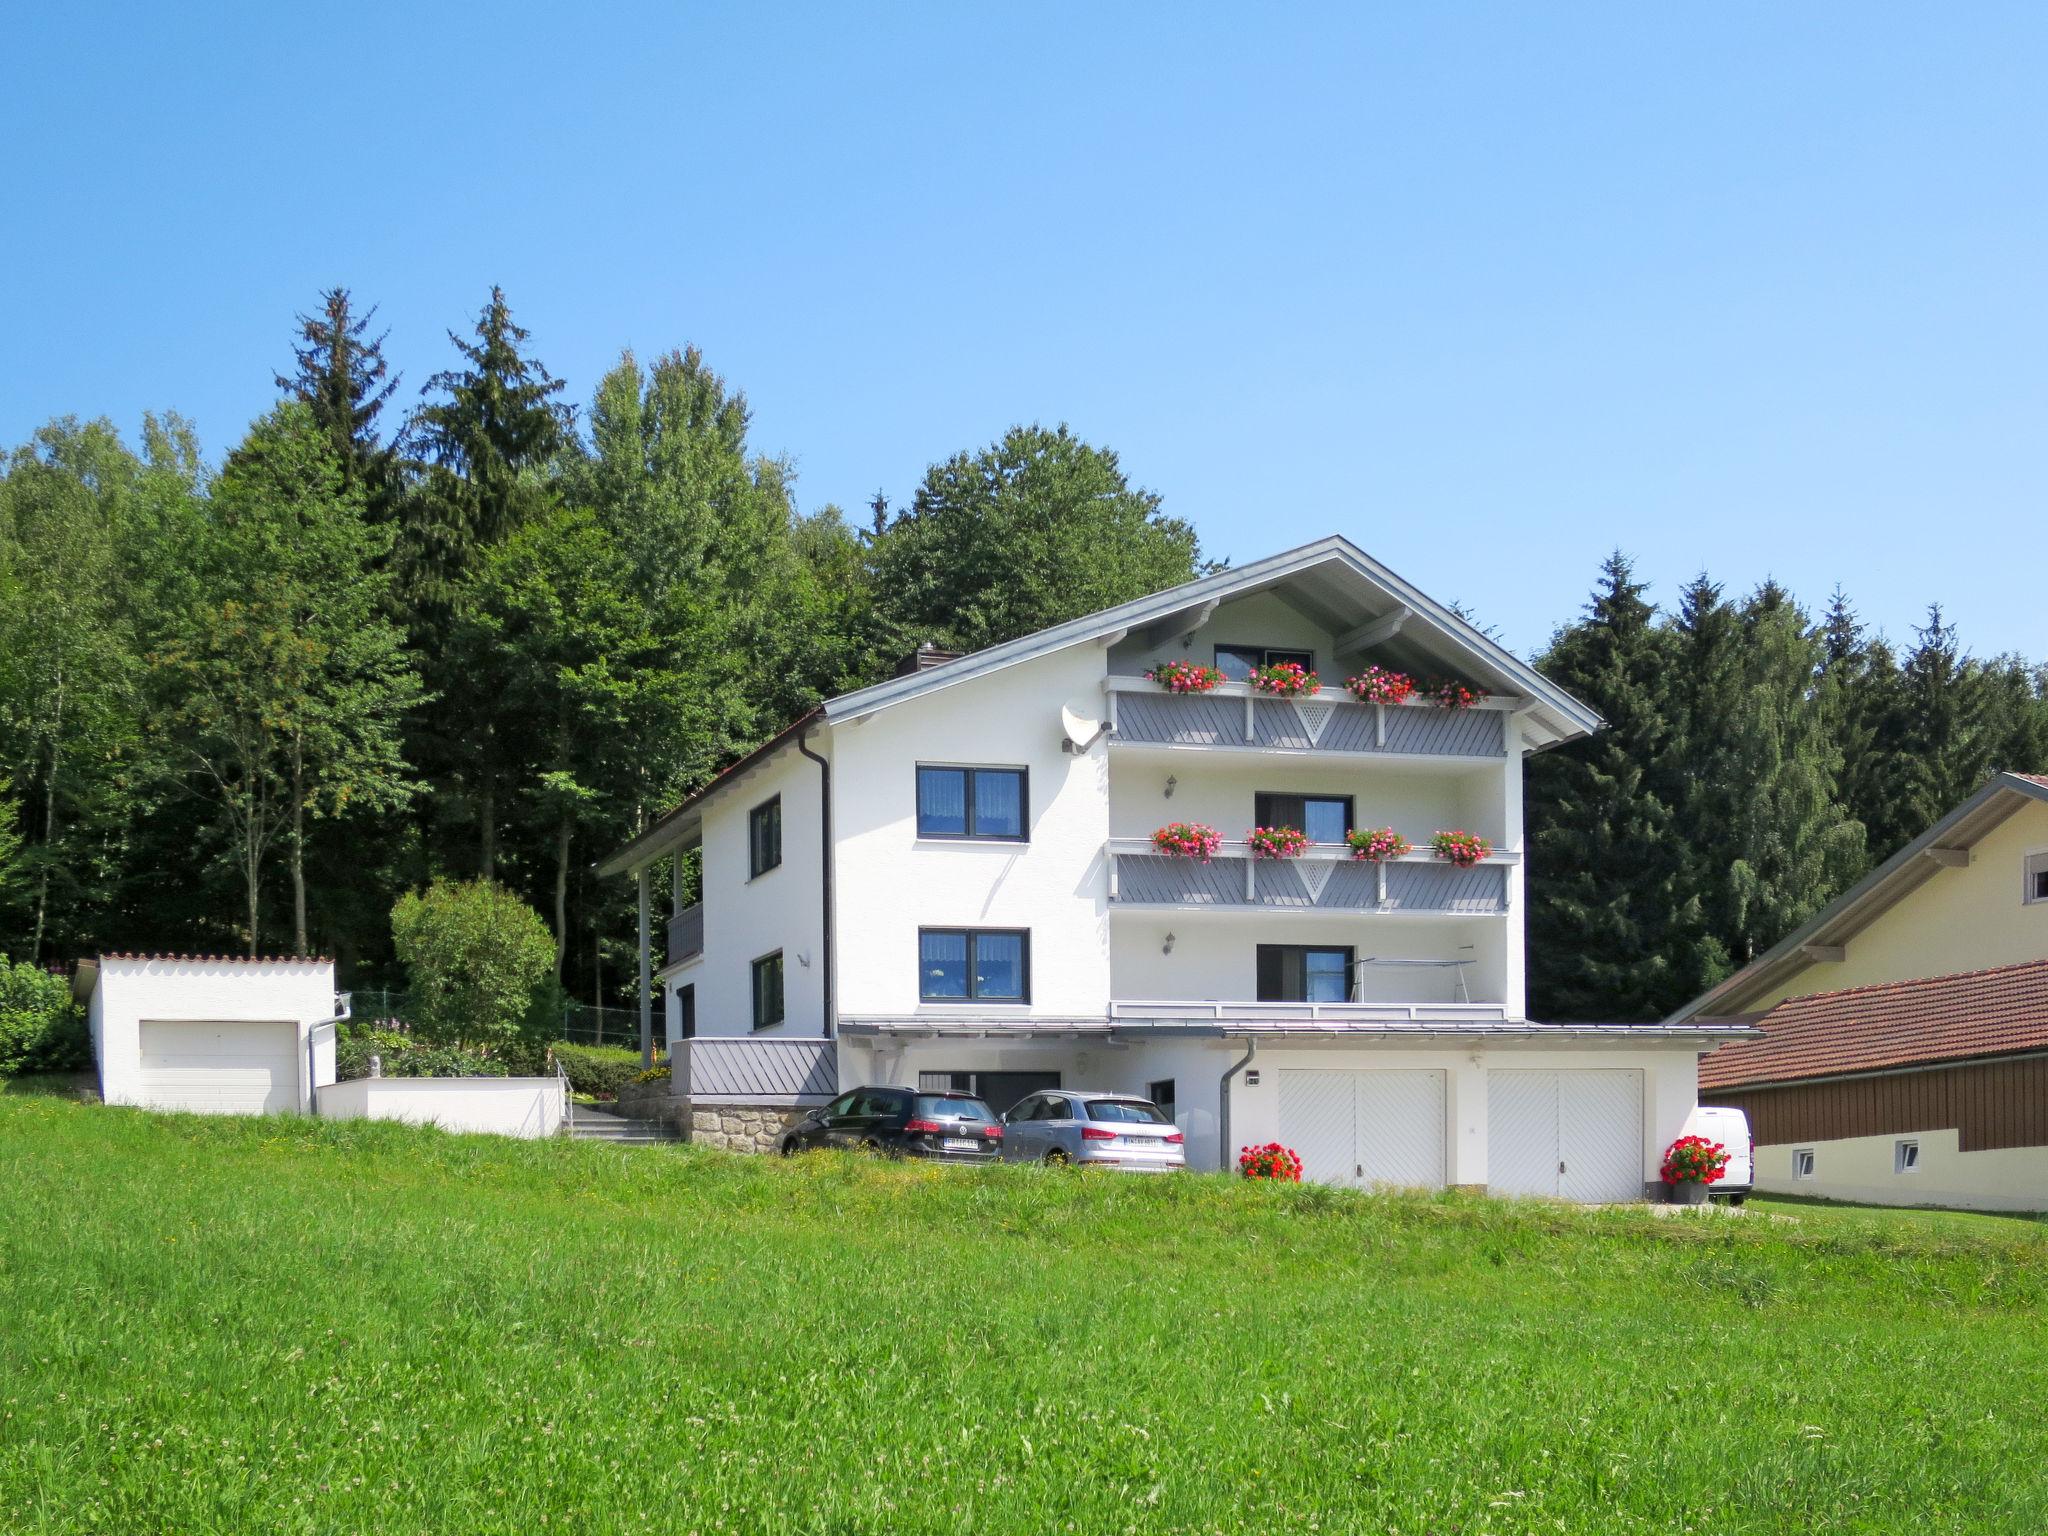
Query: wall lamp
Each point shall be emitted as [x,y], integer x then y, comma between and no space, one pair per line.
[1167,947]
[1172,783]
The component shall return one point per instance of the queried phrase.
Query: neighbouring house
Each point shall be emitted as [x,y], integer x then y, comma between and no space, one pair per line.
[210,1033]
[962,877]
[1904,1050]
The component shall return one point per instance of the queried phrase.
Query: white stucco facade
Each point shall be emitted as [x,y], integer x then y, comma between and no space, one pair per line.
[522,1107]
[1112,964]
[1865,1170]
[156,1020]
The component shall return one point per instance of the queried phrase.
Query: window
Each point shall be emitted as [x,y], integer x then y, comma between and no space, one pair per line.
[686,1012]
[1905,1156]
[1127,1112]
[1325,818]
[958,965]
[764,838]
[768,990]
[971,802]
[1161,1093]
[1802,1163]
[1237,661]
[1299,973]
[2037,877]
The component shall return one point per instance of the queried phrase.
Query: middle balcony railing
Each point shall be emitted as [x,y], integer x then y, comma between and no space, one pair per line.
[1325,878]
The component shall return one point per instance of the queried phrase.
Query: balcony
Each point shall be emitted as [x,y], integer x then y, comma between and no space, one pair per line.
[747,1069]
[1308,1015]
[1324,879]
[686,934]
[1234,718]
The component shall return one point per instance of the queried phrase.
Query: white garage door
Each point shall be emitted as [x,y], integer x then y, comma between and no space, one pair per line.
[1573,1135]
[1377,1127]
[221,1069]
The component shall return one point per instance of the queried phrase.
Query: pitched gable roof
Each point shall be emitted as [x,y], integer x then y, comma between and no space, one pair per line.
[1876,893]
[1896,1024]
[1554,714]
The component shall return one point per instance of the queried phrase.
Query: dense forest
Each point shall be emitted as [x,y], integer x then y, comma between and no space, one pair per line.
[246,705]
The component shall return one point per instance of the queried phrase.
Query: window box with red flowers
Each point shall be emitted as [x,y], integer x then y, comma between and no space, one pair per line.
[1187,840]
[1376,845]
[1276,842]
[1285,680]
[1272,1161]
[1184,676]
[1463,849]
[1450,693]
[1378,685]
[1691,1163]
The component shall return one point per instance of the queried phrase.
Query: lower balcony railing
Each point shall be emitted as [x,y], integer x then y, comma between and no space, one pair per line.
[1166,1010]
[1325,878]
[686,934]
[745,1069]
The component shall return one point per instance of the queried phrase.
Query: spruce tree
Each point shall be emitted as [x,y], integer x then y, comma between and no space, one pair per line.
[343,377]
[1615,932]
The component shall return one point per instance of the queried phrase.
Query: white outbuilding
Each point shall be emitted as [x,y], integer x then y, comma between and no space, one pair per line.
[210,1033]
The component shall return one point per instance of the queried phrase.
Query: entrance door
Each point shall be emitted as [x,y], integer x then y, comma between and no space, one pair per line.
[1571,1135]
[1363,1128]
[1000,1091]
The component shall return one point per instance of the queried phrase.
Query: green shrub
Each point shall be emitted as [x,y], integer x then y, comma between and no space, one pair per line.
[481,964]
[404,1055]
[41,1028]
[598,1069]
[652,1074]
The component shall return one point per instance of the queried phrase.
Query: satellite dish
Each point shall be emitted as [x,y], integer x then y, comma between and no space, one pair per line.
[1078,718]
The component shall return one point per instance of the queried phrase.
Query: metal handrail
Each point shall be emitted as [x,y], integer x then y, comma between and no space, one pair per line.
[568,1104]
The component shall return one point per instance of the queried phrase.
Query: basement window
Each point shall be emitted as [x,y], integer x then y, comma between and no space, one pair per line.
[1905,1156]
[1802,1163]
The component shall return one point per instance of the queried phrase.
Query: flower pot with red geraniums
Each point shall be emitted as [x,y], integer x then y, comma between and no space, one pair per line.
[1272,1161]
[1285,680]
[1463,849]
[1187,840]
[1378,685]
[1376,845]
[1276,842]
[1691,1163]
[1184,676]
[1449,693]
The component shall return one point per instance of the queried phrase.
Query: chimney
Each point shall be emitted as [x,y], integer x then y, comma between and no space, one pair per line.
[925,657]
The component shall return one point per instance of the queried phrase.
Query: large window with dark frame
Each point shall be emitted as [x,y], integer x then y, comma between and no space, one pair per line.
[1304,973]
[967,965]
[978,803]
[768,990]
[1237,662]
[1325,818]
[764,837]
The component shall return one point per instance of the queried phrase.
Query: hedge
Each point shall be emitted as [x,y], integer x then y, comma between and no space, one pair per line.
[41,1028]
[600,1070]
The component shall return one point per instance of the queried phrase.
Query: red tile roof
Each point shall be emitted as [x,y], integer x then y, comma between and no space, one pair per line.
[123,954]
[2034,778]
[1897,1024]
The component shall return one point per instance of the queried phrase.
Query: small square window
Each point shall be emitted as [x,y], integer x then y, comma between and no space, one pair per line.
[764,838]
[1905,1156]
[2036,889]
[1802,1163]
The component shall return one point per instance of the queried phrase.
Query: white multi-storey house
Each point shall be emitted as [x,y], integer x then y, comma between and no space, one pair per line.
[950,879]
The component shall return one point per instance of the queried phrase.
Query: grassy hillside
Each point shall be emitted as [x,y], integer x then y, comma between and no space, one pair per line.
[281,1326]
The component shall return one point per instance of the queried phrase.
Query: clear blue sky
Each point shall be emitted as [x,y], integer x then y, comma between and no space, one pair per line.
[1490,289]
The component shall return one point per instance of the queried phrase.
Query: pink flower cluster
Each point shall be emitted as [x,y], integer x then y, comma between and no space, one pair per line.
[1277,842]
[1187,840]
[1287,679]
[1463,849]
[1184,676]
[1449,693]
[1376,844]
[1379,685]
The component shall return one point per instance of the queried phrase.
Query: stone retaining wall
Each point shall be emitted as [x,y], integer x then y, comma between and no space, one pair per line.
[729,1127]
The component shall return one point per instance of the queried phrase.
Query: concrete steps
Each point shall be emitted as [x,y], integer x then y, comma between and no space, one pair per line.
[588,1124]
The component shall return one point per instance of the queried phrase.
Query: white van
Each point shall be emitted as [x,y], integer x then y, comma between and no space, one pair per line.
[1730,1127]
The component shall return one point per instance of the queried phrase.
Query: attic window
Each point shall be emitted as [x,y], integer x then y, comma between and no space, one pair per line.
[2037,878]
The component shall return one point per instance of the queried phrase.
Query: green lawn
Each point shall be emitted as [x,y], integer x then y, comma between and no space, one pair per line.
[243,1326]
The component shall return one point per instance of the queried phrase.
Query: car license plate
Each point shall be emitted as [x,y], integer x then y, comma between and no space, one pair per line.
[960,1144]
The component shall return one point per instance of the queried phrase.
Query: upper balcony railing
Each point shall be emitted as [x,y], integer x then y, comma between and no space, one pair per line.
[1325,878]
[1141,712]
[686,934]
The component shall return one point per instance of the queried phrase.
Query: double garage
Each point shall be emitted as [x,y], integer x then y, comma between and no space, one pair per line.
[1572,1133]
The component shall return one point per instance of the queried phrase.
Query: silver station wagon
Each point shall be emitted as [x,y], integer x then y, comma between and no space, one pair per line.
[1111,1130]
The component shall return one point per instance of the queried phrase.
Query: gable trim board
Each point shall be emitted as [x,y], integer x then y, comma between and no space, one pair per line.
[1928,855]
